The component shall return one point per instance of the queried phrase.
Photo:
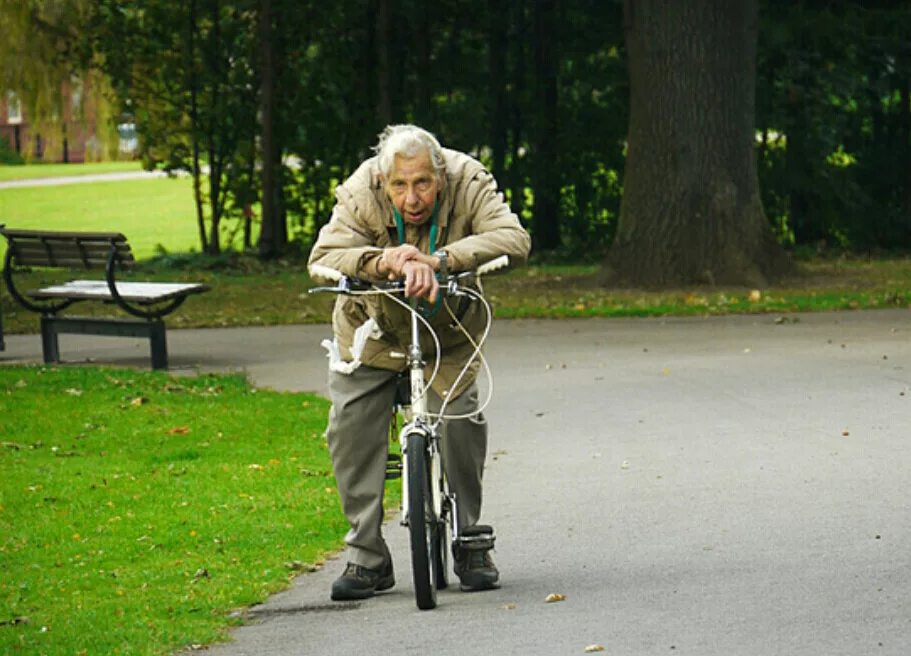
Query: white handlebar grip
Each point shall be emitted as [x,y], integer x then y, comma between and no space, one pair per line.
[493,265]
[320,271]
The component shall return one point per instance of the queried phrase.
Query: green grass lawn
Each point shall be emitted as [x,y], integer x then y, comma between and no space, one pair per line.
[150,212]
[33,171]
[137,510]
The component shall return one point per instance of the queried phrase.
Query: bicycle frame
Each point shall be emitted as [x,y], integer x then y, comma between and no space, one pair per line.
[419,421]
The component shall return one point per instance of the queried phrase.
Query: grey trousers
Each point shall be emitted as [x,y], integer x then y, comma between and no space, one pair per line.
[358,437]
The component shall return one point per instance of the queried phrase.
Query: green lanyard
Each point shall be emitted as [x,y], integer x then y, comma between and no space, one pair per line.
[426,310]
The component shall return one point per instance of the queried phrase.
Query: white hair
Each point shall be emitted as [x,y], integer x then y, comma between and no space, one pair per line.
[408,141]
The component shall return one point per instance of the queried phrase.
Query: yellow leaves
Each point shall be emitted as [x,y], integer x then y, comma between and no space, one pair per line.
[554,597]
[755,296]
[593,648]
[139,401]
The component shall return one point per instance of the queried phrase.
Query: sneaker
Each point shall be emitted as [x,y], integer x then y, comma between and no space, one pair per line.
[358,582]
[475,569]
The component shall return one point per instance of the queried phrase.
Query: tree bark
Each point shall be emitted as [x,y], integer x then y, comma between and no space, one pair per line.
[194,128]
[498,48]
[273,234]
[546,173]
[384,61]
[691,210]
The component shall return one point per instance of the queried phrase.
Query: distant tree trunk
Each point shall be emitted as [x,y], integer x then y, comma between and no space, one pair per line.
[216,160]
[422,65]
[273,234]
[384,36]
[691,210]
[516,164]
[546,171]
[194,128]
[497,57]
[905,133]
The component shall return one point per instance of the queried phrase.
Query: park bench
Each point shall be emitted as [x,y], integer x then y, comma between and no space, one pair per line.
[146,303]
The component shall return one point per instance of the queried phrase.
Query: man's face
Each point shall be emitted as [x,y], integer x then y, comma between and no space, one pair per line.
[413,187]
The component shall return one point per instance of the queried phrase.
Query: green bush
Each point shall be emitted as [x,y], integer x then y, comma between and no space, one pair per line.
[8,155]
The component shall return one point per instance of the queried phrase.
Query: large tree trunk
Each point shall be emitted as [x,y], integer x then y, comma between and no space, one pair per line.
[691,210]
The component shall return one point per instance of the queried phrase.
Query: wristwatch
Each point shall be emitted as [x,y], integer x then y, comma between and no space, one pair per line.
[444,264]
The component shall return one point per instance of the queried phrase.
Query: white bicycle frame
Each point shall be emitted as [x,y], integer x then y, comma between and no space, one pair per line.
[419,421]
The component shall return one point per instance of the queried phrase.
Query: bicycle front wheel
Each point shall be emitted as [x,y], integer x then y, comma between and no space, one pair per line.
[423,526]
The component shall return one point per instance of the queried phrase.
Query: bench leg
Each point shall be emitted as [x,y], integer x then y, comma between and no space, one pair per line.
[49,345]
[158,343]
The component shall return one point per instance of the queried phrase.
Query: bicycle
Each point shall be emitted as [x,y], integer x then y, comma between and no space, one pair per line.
[429,508]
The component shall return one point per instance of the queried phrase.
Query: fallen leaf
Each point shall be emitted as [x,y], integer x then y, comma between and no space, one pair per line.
[593,648]
[554,597]
[755,296]
[179,430]
[138,401]
[624,464]
[508,606]
[72,391]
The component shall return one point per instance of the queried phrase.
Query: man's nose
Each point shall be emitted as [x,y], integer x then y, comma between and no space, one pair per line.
[411,196]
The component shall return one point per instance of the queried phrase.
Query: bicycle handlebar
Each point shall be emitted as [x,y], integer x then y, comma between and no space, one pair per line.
[349,283]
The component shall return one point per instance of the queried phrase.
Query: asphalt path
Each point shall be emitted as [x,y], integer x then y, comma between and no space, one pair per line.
[81,179]
[729,485]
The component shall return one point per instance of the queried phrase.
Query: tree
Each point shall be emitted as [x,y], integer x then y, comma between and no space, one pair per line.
[691,210]
[45,65]
[184,71]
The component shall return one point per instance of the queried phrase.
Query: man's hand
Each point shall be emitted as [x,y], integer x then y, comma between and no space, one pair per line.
[420,280]
[406,261]
[393,260]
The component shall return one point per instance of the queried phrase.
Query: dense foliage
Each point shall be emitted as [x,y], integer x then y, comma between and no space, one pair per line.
[538,90]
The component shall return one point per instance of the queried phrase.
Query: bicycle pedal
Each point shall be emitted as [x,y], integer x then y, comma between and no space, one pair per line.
[479,536]
[393,466]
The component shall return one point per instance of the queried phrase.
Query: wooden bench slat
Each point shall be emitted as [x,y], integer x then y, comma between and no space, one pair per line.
[61,234]
[68,253]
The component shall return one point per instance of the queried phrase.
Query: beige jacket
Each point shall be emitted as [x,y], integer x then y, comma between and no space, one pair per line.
[475,225]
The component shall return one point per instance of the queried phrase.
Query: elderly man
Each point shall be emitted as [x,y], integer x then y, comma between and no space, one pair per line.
[397,216]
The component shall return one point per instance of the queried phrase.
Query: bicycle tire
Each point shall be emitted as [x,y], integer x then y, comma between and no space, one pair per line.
[423,526]
[441,553]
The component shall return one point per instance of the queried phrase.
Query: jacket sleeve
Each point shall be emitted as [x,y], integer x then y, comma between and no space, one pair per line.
[495,229]
[346,243]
